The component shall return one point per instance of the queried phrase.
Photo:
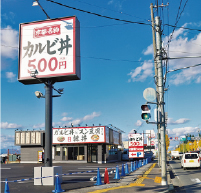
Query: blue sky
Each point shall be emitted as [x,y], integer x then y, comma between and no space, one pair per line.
[116,67]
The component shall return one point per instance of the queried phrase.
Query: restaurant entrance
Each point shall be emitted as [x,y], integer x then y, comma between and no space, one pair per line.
[92,152]
[72,153]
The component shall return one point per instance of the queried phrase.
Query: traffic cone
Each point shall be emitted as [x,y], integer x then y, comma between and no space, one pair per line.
[131,167]
[134,166]
[98,182]
[6,190]
[106,177]
[122,171]
[126,169]
[117,177]
[58,185]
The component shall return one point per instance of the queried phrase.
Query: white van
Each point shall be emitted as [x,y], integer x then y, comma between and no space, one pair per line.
[190,160]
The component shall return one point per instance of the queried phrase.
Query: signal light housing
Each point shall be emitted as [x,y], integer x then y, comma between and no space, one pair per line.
[146,112]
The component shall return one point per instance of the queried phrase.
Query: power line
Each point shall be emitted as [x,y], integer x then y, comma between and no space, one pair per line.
[98,58]
[99,15]
[177,19]
[111,10]
[167,58]
[183,68]
[117,19]
[123,60]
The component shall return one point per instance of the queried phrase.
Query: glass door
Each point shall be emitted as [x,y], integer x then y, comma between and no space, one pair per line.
[92,150]
[64,154]
[70,153]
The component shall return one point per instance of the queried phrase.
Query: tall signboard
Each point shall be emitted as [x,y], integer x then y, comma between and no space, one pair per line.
[136,145]
[50,48]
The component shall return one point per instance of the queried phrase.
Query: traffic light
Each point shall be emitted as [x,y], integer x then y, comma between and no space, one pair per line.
[146,112]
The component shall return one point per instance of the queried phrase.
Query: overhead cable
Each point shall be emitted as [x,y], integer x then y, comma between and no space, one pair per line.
[99,15]
[117,19]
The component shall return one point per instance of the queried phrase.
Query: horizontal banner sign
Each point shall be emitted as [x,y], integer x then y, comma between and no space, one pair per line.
[79,135]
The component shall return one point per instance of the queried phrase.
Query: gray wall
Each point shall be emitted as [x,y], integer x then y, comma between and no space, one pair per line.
[30,154]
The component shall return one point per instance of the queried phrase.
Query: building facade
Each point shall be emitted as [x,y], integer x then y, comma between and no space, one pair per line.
[98,144]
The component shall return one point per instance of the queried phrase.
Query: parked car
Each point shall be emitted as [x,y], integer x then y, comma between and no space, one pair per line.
[190,160]
[149,154]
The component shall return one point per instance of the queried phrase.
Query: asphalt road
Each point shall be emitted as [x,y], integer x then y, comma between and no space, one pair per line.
[24,171]
[188,180]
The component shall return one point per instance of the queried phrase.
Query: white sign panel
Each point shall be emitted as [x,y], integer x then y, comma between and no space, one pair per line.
[79,135]
[136,145]
[150,133]
[51,49]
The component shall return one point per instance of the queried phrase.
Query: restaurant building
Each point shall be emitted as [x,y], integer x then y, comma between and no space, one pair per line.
[97,144]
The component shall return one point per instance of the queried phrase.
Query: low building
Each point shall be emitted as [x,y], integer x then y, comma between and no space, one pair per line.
[97,144]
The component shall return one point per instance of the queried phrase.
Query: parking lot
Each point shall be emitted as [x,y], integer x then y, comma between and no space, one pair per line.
[70,181]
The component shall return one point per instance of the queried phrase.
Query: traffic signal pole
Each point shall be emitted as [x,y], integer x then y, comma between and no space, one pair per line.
[160,85]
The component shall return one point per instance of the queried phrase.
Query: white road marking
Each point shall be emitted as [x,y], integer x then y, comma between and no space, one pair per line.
[196,180]
[91,168]
[70,176]
[5,168]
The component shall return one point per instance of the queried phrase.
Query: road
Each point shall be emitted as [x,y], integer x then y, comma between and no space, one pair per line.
[189,179]
[24,171]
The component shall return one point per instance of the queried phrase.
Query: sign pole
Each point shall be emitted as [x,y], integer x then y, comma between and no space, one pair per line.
[48,124]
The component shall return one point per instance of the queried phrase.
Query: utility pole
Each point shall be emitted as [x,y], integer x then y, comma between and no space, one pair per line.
[156,80]
[160,85]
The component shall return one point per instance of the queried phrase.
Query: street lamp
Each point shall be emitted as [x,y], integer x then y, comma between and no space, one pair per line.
[36,3]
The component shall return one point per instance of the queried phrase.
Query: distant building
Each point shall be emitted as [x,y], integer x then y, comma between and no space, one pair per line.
[125,144]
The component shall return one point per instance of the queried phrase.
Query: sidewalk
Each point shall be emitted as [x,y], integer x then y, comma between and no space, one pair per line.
[145,179]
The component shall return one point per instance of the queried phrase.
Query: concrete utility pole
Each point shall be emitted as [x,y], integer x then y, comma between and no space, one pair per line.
[160,85]
[156,75]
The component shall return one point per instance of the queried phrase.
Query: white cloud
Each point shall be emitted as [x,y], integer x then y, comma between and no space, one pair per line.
[182,131]
[66,119]
[110,2]
[142,72]
[64,114]
[89,117]
[139,123]
[11,77]
[117,4]
[9,42]
[149,50]
[181,45]
[37,126]
[179,121]
[6,125]
[124,137]
[7,141]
